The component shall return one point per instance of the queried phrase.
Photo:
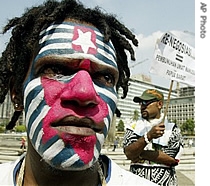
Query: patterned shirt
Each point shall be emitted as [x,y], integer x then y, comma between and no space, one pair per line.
[170,143]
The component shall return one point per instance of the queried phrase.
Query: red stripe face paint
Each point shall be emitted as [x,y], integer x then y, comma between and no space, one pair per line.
[73,98]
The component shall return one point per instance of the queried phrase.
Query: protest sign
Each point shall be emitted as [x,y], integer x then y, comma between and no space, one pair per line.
[174,59]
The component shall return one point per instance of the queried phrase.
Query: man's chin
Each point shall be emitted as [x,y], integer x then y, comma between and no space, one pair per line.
[72,167]
[145,115]
[58,169]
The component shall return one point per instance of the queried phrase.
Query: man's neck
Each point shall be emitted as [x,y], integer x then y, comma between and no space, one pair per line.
[38,172]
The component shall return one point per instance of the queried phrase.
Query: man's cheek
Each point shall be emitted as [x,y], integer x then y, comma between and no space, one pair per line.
[52,90]
[110,98]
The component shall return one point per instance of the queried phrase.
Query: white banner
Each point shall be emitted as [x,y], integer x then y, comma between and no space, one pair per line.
[174,60]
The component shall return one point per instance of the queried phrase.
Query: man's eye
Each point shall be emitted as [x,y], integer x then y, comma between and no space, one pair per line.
[109,79]
[52,70]
[106,79]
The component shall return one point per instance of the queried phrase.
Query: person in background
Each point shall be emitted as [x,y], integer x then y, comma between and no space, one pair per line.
[190,142]
[115,144]
[63,66]
[153,145]
[23,143]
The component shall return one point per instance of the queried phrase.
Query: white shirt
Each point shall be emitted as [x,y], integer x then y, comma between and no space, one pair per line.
[116,175]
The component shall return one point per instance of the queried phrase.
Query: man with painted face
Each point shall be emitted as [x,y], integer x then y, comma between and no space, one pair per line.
[63,66]
[153,144]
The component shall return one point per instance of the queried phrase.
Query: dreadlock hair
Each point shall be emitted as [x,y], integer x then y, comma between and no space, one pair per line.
[25,33]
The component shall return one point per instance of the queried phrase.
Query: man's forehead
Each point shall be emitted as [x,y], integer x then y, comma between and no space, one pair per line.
[76,41]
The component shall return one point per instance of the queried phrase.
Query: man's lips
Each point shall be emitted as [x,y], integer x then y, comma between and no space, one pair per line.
[77,126]
[82,131]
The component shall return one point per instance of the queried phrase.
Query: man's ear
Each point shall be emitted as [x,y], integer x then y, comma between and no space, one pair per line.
[160,104]
[16,96]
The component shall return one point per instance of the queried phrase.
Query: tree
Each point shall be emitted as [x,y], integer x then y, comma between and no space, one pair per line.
[135,115]
[188,127]
[20,128]
[120,126]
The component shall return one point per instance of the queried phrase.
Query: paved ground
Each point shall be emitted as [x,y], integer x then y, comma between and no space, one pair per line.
[186,178]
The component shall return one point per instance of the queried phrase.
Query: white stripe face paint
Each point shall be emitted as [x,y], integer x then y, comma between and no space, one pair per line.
[83,88]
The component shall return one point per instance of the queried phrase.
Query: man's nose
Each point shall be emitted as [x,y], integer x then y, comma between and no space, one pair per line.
[80,91]
[143,107]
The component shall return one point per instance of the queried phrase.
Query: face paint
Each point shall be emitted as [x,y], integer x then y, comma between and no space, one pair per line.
[59,117]
[76,41]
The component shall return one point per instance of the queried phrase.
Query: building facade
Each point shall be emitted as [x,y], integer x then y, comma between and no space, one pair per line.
[180,109]
[136,88]
[6,110]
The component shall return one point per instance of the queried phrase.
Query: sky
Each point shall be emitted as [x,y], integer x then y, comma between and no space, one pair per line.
[148,20]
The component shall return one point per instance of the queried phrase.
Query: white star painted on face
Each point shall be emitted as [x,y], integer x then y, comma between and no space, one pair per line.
[84,40]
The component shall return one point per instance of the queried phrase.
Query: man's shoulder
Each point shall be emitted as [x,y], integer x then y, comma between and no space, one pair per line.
[132,125]
[120,176]
[8,171]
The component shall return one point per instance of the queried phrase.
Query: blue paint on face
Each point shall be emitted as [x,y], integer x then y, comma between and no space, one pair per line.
[34,99]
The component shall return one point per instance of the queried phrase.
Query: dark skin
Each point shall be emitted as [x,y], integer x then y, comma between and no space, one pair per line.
[136,149]
[22,48]
[40,173]
[36,174]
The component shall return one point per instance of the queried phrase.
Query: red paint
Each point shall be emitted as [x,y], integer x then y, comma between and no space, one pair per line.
[85,64]
[83,146]
[80,90]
